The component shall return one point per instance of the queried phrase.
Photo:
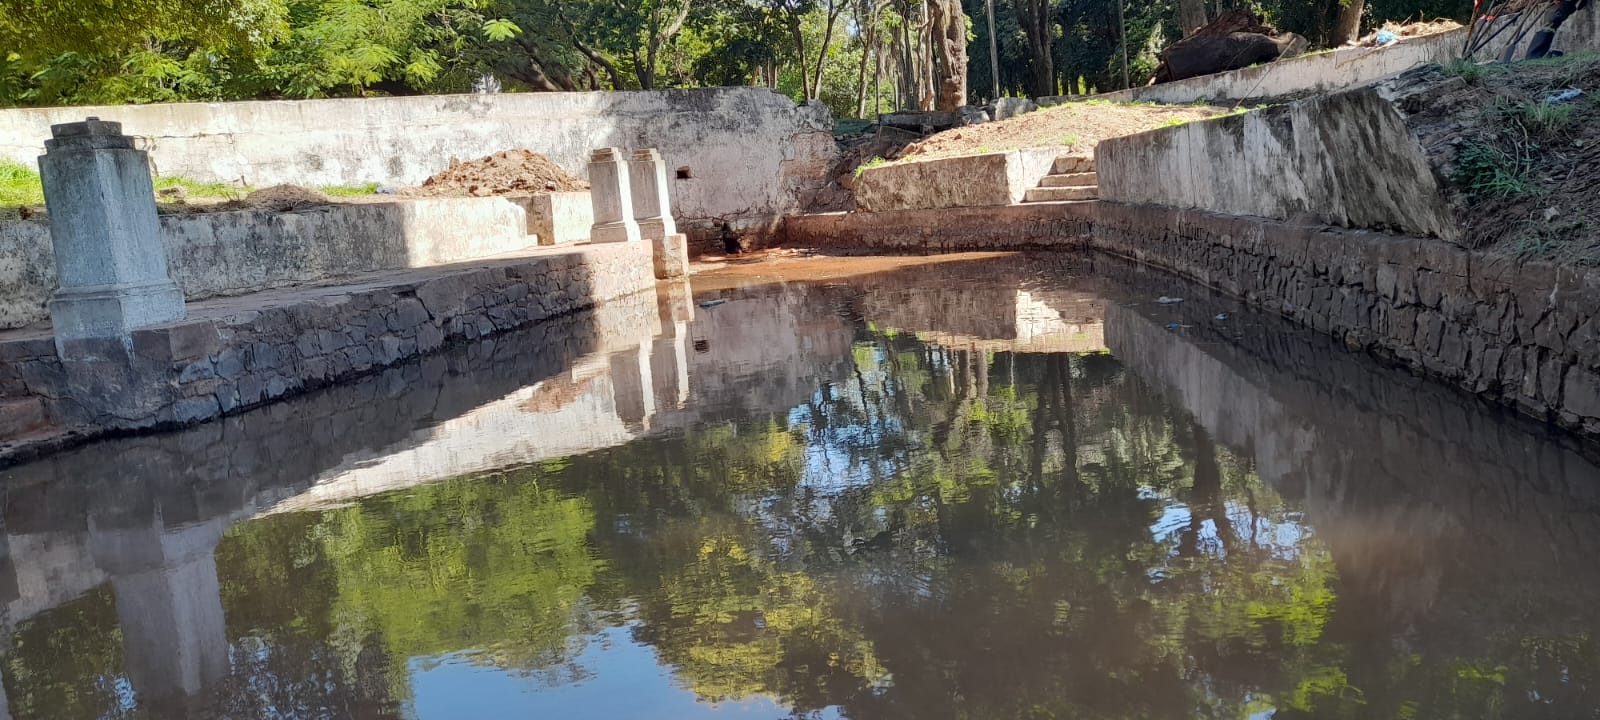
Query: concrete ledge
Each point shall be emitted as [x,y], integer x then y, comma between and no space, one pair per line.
[229,253]
[996,178]
[1032,225]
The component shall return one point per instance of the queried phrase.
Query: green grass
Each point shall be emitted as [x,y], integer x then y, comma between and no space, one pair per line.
[19,185]
[869,164]
[1482,169]
[197,189]
[1467,70]
[349,190]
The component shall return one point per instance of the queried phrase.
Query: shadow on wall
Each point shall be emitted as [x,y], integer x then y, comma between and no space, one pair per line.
[232,253]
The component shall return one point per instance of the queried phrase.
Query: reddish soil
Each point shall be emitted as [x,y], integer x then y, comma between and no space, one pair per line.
[508,172]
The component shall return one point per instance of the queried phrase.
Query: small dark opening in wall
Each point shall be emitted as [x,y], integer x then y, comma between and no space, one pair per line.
[684,173]
[701,346]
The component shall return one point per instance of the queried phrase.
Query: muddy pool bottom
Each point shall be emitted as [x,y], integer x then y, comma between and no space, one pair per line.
[970,486]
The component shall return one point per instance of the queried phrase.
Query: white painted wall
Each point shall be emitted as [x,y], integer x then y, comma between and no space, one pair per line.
[752,154]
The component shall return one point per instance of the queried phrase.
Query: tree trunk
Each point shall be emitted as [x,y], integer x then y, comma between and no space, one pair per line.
[869,20]
[949,28]
[822,55]
[1191,15]
[1038,26]
[1348,28]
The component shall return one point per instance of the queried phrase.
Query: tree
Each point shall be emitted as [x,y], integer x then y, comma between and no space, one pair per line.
[1191,15]
[1038,24]
[948,27]
[1348,26]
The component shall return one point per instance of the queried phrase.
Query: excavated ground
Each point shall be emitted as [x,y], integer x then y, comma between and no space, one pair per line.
[1520,167]
[1076,127]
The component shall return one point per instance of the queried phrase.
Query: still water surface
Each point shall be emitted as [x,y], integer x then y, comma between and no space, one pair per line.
[980,488]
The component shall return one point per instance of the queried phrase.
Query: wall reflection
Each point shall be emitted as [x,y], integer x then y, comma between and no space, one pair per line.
[784,493]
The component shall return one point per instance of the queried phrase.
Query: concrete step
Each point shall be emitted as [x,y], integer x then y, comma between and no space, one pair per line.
[1072,164]
[1083,179]
[1058,194]
[20,415]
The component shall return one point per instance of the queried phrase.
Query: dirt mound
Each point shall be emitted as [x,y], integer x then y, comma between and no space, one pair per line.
[508,172]
[1516,149]
[277,198]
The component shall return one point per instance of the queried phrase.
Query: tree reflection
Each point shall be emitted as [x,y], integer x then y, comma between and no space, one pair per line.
[943,533]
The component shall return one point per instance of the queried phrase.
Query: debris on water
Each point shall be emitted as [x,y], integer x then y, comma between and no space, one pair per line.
[1164,300]
[1220,317]
[713,303]
[1177,326]
[1566,95]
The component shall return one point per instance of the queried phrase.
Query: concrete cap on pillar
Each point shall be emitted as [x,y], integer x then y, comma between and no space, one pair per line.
[647,154]
[90,133]
[606,154]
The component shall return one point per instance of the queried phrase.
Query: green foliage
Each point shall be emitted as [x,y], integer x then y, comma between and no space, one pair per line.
[1467,70]
[19,185]
[350,190]
[197,189]
[871,162]
[1483,169]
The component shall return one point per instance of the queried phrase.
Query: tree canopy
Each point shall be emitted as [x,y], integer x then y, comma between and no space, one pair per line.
[858,56]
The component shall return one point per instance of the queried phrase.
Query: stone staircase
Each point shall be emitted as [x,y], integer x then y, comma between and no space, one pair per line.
[1072,177]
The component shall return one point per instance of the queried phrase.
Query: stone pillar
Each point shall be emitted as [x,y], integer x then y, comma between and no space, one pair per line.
[107,241]
[612,197]
[632,387]
[652,208]
[169,605]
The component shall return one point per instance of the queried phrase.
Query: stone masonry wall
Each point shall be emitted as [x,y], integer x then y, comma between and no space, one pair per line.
[1526,336]
[270,345]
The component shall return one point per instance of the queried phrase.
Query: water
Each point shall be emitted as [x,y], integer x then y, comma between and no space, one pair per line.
[991,488]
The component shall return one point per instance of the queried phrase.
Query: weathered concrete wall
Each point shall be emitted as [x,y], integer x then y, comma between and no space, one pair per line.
[1322,72]
[1029,225]
[1345,67]
[559,217]
[752,154]
[228,253]
[1345,159]
[996,178]
[235,354]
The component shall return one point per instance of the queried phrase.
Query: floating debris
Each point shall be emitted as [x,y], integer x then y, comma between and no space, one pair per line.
[1164,300]
[1220,317]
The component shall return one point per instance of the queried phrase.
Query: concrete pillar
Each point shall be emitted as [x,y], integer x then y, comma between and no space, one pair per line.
[632,387]
[612,197]
[169,604]
[107,241]
[652,208]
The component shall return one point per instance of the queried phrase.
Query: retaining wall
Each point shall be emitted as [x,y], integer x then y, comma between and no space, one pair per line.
[995,178]
[751,154]
[234,354]
[1526,336]
[1346,159]
[229,253]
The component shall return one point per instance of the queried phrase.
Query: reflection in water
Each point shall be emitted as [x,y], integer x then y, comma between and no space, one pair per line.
[988,490]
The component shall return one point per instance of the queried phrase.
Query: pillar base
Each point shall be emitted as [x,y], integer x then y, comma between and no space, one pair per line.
[112,311]
[670,256]
[656,228]
[625,231]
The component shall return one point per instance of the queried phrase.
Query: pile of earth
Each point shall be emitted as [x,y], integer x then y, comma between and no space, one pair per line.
[508,172]
[1516,150]
[1075,127]
[277,198]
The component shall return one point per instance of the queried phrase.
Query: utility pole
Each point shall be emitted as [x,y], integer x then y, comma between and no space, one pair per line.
[994,52]
[1122,25]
